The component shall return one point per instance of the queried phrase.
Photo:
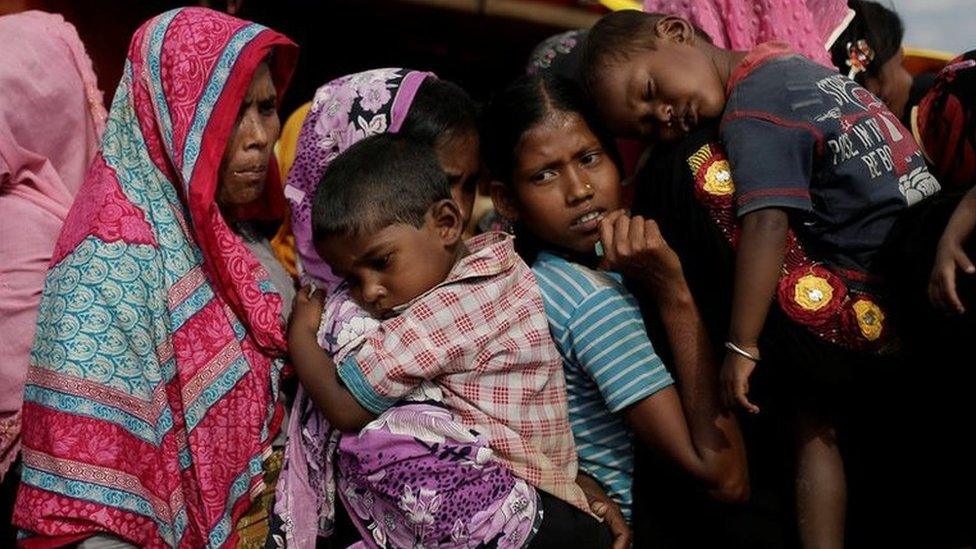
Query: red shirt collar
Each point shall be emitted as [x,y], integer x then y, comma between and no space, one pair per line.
[489,254]
[754,59]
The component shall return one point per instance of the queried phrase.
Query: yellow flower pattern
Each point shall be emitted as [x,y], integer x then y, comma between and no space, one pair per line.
[870,318]
[812,292]
[718,179]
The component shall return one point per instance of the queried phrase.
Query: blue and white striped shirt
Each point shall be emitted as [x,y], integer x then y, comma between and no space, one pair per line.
[609,364]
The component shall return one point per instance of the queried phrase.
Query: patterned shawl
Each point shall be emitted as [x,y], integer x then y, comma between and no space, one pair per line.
[51,118]
[151,397]
[808,26]
[344,111]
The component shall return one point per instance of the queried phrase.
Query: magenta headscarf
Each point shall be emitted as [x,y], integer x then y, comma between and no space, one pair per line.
[51,119]
[808,26]
[344,111]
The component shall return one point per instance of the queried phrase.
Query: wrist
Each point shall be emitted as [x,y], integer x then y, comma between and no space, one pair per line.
[953,237]
[588,484]
[743,338]
[748,353]
[744,342]
[673,293]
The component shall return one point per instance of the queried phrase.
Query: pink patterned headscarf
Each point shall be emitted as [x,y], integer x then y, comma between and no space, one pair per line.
[343,112]
[51,118]
[808,26]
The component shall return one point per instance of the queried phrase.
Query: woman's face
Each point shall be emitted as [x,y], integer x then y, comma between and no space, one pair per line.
[460,158]
[563,183]
[244,167]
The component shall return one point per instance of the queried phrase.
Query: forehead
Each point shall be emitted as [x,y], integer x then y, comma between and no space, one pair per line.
[652,59]
[261,82]
[558,134]
[619,77]
[344,251]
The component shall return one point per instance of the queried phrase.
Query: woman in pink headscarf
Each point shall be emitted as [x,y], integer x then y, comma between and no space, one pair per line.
[151,398]
[51,118]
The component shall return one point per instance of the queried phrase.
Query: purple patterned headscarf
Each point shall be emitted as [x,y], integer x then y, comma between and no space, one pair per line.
[344,112]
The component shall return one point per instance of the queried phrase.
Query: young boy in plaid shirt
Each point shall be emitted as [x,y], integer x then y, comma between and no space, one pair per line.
[464,315]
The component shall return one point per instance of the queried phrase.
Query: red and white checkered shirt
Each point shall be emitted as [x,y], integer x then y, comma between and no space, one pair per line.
[482,336]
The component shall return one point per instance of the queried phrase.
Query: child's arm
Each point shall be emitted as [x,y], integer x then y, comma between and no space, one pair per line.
[951,256]
[315,368]
[758,263]
[687,425]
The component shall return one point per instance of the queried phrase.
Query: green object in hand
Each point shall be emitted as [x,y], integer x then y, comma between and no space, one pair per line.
[598,248]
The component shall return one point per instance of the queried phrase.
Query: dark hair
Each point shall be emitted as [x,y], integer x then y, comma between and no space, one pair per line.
[440,109]
[879,26]
[515,110]
[381,181]
[522,105]
[617,35]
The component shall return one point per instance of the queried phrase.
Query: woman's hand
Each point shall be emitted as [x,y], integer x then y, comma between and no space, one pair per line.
[306,312]
[735,380]
[634,246]
[607,509]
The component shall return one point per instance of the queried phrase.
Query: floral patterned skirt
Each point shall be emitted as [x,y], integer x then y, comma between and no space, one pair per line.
[416,478]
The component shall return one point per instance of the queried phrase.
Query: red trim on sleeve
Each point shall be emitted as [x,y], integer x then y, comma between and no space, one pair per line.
[762,193]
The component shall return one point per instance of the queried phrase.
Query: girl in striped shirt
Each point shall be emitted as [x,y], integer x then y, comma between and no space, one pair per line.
[557,179]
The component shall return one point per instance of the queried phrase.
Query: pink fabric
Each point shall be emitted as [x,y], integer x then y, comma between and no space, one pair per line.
[51,118]
[806,25]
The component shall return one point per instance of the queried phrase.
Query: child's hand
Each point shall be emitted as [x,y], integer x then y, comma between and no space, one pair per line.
[634,246]
[306,311]
[607,509]
[942,283]
[735,381]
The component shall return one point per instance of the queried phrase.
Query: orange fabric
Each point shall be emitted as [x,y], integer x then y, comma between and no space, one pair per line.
[283,243]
